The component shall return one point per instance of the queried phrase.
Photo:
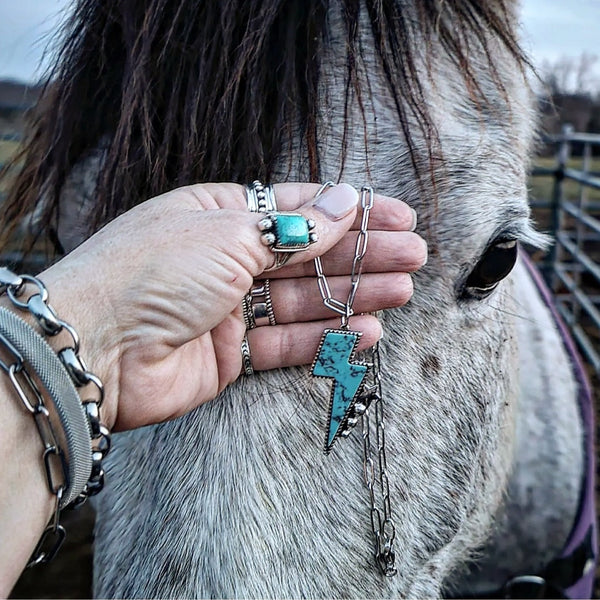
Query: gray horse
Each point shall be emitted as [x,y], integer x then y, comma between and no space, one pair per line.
[484,439]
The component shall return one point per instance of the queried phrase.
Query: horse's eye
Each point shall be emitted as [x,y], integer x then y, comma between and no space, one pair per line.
[496,263]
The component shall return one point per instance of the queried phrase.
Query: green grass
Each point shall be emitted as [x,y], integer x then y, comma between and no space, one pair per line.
[542,187]
[7,149]
[574,163]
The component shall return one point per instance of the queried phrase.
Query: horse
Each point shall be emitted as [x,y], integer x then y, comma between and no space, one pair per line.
[425,101]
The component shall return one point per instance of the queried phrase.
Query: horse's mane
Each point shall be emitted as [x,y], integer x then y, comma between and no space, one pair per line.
[183,91]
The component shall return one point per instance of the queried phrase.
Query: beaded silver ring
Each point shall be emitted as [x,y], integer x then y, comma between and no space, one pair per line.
[260,198]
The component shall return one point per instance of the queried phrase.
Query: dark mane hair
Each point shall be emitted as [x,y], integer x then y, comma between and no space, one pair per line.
[188,90]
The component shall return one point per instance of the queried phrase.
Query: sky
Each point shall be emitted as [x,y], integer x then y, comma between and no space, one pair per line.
[550,29]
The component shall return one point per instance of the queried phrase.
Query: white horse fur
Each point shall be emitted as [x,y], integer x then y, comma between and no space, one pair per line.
[484,440]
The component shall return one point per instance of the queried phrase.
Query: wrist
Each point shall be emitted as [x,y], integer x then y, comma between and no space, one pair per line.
[89,311]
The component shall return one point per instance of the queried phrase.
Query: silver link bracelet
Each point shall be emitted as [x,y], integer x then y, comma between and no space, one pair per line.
[75,472]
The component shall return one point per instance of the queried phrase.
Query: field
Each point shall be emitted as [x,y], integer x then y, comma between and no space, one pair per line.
[7,149]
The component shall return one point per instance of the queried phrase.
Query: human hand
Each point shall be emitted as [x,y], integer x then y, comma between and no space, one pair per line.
[156,294]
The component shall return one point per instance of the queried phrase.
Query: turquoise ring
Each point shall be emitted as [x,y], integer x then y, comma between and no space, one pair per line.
[285,233]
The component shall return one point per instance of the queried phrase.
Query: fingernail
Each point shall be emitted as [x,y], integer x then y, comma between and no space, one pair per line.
[337,202]
[414,221]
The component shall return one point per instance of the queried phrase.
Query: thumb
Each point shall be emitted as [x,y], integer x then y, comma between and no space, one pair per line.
[333,213]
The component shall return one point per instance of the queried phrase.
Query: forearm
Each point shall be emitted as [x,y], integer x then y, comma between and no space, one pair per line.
[26,504]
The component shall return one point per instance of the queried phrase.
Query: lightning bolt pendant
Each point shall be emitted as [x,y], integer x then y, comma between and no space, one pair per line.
[334,360]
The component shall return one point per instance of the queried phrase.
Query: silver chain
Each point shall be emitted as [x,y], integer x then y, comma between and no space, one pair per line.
[345,308]
[370,403]
[375,469]
[36,303]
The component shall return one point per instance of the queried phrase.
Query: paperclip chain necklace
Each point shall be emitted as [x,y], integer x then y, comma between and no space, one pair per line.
[356,392]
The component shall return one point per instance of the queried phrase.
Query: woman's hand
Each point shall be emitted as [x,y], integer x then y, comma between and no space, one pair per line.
[156,294]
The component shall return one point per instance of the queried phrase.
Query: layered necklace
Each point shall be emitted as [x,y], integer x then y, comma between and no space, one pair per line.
[356,393]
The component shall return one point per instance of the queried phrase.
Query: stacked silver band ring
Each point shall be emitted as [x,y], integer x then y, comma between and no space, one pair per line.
[283,233]
[258,307]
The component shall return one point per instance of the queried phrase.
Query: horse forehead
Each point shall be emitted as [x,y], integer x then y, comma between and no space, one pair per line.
[480,165]
[480,173]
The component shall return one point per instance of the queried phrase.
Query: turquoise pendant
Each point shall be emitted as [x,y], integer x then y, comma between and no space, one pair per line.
[334,360]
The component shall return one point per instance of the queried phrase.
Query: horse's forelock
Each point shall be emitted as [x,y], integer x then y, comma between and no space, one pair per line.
[190,91]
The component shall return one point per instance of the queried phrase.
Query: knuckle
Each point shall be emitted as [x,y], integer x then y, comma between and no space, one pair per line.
[290,299]
[301,301]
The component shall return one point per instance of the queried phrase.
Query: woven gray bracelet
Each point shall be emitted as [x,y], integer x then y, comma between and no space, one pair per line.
[42,359]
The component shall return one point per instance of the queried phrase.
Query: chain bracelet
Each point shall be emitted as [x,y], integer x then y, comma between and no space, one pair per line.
[91,389]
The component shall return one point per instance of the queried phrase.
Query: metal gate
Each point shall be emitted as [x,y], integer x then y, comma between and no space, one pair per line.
[572,267]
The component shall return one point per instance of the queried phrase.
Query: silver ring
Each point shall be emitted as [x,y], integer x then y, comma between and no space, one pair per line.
[247,312]
[257,306]
[246,357]
[260,198]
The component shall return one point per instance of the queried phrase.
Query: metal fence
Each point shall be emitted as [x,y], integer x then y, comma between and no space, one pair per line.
[572,267]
